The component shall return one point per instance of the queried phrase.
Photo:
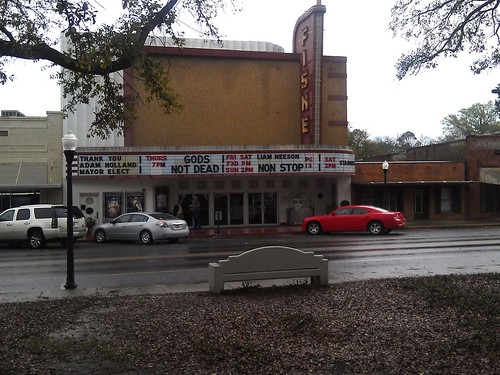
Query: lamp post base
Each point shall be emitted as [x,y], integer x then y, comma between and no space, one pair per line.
[70,284]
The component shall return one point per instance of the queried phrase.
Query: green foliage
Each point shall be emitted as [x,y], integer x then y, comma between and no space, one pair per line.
[443,28]
[475,120]
[365,147]
[362,145]
[98,53]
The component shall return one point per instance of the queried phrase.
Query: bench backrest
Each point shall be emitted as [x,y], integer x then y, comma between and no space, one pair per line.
[271,258]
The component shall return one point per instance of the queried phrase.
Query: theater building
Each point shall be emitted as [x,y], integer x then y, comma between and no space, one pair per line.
[261,138]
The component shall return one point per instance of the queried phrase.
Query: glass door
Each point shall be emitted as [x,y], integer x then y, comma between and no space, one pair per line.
[236,208]
[187,204]
[270,208]
[263,208]
[229,207]
[254,208]
[220,209]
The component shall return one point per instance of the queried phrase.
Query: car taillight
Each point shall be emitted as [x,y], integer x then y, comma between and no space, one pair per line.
[161,224]
[54,223]
[398,217]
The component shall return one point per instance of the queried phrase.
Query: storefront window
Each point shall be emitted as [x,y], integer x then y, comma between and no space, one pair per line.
[448,200]
[446,205]
[8,199]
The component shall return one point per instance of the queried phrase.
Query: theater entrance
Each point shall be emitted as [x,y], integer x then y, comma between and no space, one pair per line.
[230,207]
[262,208]
[235,209]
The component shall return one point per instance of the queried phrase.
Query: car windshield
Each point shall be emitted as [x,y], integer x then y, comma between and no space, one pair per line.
[163,216]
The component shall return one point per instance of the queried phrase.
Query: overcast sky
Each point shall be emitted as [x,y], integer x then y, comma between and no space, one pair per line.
[377,101]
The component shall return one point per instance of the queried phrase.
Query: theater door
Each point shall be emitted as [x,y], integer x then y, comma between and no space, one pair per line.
[262,208]
[230,208]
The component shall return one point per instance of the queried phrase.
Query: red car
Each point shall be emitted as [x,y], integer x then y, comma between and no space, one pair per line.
[355,219]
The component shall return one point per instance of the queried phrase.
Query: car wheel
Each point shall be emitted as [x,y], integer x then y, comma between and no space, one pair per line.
[376,227]
[146,237]
[314,228]
[100,236]
[173,240]
[36,239]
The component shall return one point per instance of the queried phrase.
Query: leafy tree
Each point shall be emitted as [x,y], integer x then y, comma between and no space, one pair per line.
[362,145]
[425,140]
[358,139]
[31,30]
[444,28]
[407,140]
[477,119]
[386,145]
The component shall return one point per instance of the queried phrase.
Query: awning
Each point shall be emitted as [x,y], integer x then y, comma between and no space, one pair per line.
[489,176]
[25,175]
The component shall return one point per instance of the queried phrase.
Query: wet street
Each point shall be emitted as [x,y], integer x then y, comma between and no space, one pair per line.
[27,273]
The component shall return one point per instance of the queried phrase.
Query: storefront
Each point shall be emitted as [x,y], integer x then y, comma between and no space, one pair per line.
[234,187]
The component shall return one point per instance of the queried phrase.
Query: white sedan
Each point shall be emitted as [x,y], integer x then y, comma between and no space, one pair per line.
[142,226]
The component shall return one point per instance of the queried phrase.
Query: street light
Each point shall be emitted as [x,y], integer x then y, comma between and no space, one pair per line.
[69,142]
[385,167]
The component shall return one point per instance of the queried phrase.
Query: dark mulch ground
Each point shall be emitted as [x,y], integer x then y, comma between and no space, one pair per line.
[427,325]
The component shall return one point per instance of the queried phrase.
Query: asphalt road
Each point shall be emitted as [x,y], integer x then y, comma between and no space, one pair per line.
[117,268]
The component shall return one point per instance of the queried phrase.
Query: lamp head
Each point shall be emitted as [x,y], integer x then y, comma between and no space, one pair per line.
[69,141]
[385,165]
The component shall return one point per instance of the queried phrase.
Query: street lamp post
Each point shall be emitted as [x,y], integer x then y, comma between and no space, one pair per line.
[69,142]
[385,167]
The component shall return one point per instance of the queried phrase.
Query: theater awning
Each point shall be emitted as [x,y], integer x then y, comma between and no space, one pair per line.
[489,176]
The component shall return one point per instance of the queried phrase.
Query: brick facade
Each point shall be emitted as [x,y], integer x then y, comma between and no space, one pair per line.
[462,175]
[238,98]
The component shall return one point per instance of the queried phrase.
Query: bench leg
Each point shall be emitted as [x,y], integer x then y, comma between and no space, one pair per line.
[215,281]
[324,272]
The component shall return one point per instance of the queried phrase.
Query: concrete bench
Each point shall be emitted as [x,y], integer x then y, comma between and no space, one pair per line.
[265,263]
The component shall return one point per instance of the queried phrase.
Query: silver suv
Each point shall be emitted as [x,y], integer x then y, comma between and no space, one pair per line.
[38,224]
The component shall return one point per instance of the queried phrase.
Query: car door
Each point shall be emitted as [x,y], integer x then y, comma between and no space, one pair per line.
[118,229]
[21,224]
[6,223]
[359,219]
[136,225]
[338,220]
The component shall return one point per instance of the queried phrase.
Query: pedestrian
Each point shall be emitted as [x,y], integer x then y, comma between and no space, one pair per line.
[196,213]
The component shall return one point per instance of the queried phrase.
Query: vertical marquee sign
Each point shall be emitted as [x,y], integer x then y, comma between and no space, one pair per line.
[308,41]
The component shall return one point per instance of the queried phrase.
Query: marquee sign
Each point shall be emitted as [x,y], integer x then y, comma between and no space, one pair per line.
[241,164]
[308,41]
